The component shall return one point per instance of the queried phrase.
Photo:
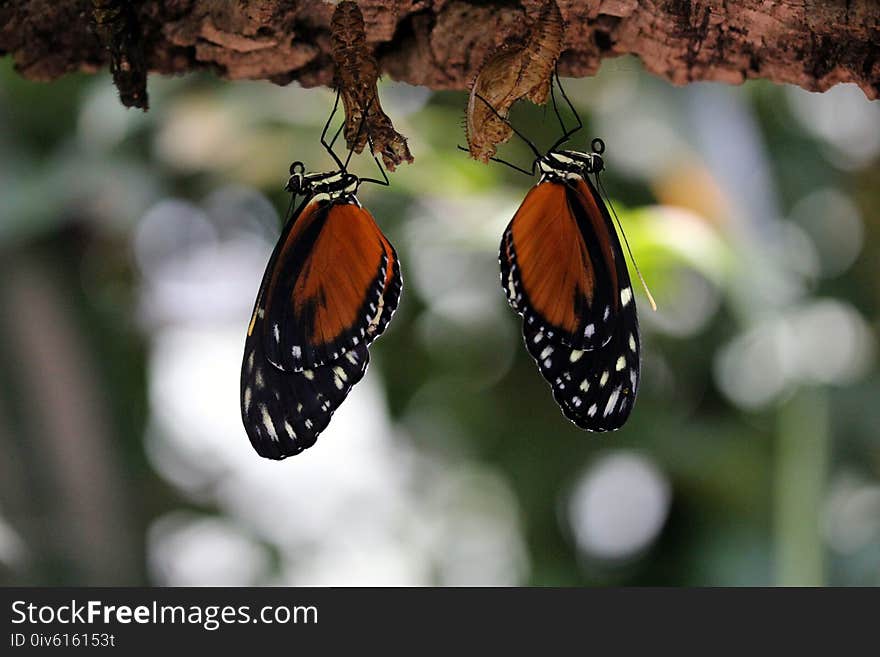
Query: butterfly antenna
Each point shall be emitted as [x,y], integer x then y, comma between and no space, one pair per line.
[626,242]
[287,214]
[293,211]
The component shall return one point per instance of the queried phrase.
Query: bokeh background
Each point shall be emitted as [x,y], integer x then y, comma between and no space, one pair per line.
[132,245]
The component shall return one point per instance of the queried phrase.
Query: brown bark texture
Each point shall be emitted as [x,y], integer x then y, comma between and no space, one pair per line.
[442,43]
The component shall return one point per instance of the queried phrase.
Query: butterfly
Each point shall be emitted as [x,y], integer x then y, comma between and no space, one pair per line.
[330,288]
[563,270]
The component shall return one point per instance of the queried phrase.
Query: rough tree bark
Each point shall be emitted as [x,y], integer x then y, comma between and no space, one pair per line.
[440,43]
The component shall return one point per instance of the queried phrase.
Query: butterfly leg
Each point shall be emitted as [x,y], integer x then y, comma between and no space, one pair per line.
[556,108]
[567,134]
[336,136]
[329,147]
[384,182]
[507,121]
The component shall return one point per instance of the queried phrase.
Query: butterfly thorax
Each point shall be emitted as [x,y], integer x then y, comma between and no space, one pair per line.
[568,165]
[332,185]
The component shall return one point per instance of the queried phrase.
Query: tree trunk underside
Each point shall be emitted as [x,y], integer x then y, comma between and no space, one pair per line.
[811,43]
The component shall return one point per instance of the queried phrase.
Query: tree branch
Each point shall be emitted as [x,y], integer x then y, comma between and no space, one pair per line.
[440,44]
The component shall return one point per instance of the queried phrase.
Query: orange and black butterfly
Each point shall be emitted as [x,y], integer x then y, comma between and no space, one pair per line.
[563,270]
[330,288]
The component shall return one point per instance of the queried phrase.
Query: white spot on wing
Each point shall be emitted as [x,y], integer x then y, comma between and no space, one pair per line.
[267,422]
[547,352]
[626,295]
[592,410]
[612,401]
[585,385]
[247,399]
[589,331]
[632,342]
[604,379]
[309,374]
[621,363]
[374,323]
[575,355]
